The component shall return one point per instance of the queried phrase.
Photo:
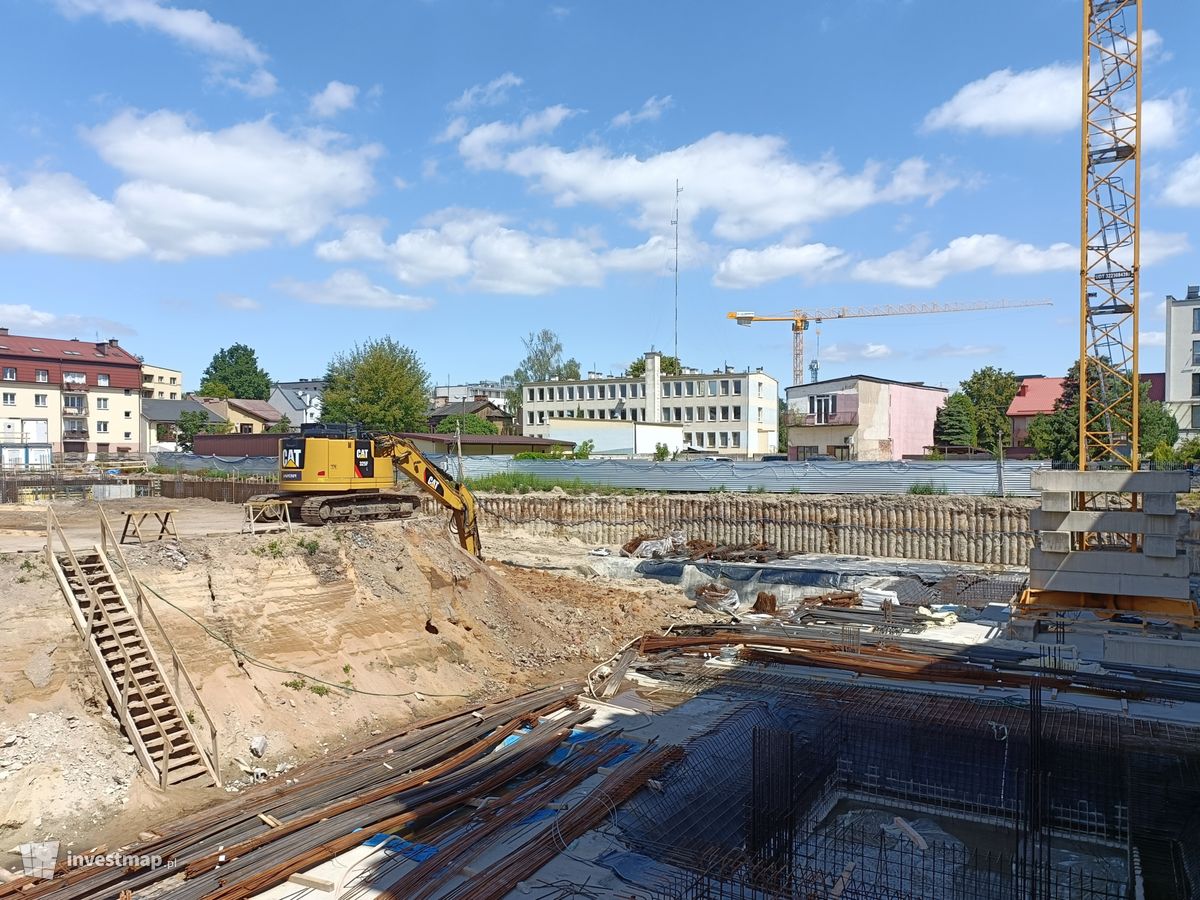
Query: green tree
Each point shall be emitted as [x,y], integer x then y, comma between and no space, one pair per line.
[218,389]
[191,423]
[543,361]
[669,364]
[470,424]
[955,425]
[237,369]
[1056,436]
[283,426]
[380,384]
[661,452]
[584,450]
[990,391]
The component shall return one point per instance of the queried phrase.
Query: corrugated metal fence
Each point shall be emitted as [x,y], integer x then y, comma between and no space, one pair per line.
[775,478]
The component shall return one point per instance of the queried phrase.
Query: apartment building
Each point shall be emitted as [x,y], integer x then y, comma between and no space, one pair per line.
[861,417]
[159,383]
[726,412]
[1183,361]
[72,396]
[444,394]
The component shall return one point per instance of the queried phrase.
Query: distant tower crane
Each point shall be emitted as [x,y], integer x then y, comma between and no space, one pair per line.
[802,318]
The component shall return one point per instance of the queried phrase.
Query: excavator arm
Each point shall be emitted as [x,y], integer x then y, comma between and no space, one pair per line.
[438,484]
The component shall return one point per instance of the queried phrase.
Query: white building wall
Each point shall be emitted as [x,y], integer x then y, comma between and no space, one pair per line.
[1183,361]
[727,413]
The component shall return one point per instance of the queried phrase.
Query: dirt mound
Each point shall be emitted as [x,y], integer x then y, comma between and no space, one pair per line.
[310,640]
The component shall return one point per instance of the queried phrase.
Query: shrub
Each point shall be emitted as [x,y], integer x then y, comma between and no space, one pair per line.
[927,487]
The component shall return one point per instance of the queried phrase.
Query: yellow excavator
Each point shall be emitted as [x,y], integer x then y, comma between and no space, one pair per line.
[340,473]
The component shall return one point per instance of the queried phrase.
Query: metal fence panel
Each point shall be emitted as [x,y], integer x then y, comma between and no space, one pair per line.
[777,477]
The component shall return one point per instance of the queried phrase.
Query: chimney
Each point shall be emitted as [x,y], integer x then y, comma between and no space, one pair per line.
[112,342]
[102,348]
[1193,292]
[4,332]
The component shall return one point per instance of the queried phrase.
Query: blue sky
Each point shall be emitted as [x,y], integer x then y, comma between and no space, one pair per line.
[301,177]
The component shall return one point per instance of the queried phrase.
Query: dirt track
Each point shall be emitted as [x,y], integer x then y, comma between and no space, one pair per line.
[392,616]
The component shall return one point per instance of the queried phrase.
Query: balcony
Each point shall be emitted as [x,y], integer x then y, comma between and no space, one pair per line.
[79,434]
[75,386]
[803,420]
[78,411]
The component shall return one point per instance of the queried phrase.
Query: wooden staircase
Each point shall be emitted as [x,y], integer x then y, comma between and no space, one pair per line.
[147,702]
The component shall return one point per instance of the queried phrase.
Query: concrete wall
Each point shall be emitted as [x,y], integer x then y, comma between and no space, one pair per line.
[617,438]
[954,529]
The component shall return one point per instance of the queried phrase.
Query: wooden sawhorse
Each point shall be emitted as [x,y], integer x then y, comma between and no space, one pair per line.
[135,517]
[264,516]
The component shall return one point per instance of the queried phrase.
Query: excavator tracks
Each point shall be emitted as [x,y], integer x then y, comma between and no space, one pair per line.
[357,507]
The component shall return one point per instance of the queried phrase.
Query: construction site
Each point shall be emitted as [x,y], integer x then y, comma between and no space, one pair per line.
[357,678]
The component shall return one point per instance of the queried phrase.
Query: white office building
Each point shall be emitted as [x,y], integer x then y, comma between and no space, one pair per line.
[445,394]
[1183,361]
[722,413]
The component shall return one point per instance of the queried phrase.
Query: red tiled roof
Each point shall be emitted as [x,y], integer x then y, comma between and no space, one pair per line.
[1036,395]
[53,348]
[260,409]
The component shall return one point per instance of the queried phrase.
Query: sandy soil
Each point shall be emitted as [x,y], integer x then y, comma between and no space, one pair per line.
[392,617]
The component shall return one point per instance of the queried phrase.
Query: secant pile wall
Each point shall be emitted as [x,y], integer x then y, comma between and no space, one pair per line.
[955,529]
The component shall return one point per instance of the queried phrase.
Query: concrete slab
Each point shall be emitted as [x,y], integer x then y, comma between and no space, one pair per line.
[1118,481]
[1094,583]
[1109,563]
[1056,542]
[1159,504]
[1140,651]
[1160,546]
[1107,521]
[1056,501]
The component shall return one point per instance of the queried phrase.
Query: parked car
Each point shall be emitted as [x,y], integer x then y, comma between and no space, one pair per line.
[774,457]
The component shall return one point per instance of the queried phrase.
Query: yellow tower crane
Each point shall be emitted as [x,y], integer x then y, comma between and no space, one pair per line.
[802,318]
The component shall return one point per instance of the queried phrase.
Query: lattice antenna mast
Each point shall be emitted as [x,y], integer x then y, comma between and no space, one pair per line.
[675,222]
[1109,234]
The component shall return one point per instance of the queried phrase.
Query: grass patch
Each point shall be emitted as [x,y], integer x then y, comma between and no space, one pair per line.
[927,488]
[310,546]
[275,549]
[321,690]
[525,483]
[296,684]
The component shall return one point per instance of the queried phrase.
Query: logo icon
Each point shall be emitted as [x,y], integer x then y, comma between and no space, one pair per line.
[38,859]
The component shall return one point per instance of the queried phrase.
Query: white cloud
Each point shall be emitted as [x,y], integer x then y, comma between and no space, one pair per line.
[197,192]
[238,302]
[1153,338]
[228,49]
[56,213]
[1162,245]
[22,315]
[952,351]
[760,188]
[481,146]
[651,111]
[752,268]
[911,268]
[335,98]
[348,287]
[1183,185]
[849,352]
[493,93]
[1007,102]
[480,249]
[1044,100]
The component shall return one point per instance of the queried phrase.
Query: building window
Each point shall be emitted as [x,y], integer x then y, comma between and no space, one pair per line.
[1196,320]
[699,438]
[531,395]
[146,378]
[10,399]
[759,386]
[622,414]
[129,435]
[174,396]
[1196,384]
[688,413]
[101,403]
[161,395]
[737,386]
[42,375]
[530,422]
[561,395]
[74,378]
[712,414]
[41,400]
[678,388]
[246,429]
[699,413]
[712,389]
[820,406]
[725,388]
[128,414]
[102,380]
[591,392]
[1195,415]
[624,391]
[10,374]
[679,414]
[737,414]
[541,394]
[602,414]
[737,439]
[1196,353]
[689,388]
[541,418]
[687,437]
[172,379]
[101,427]
[712,439]
[591,414]
[724,413]
[73,402]
[570,392]
[724,438]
